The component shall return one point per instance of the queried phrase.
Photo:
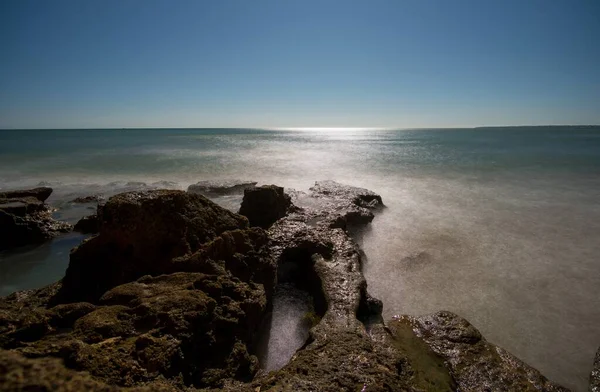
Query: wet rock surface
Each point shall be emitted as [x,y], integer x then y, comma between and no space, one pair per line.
[172,292]
[475,363]
[335,205]
[221,188]
[26,219]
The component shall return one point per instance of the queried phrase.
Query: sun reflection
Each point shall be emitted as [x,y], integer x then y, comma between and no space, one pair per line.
[330,129]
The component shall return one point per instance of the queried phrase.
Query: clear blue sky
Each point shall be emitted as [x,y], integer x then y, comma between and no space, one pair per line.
[310,63]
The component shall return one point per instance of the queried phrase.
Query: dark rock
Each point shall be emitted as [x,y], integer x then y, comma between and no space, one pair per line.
[194,325]
[221,188]
[189,328]
[595,375]
[140,234]
[475,363]
[87,225]
[264,205]
[25,219]
[40,194]
[18,373]
[245,254]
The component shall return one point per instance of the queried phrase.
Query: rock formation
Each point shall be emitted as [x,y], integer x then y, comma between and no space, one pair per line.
[87,225]
[26,219]
[264,205]
[171,293]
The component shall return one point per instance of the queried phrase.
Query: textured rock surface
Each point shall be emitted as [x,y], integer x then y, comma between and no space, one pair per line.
[340,354]
[221,188]
[264,205]
[475,363]
[331,204]
[140,233]
[87,225]
[193,324]
[26,219]
[595,375]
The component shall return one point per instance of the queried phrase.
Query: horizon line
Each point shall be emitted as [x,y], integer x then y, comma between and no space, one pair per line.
[305,128]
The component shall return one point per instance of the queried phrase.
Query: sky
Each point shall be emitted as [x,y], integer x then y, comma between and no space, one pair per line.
[309,63]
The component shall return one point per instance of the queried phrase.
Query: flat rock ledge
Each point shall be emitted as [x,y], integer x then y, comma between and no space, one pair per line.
[171,294]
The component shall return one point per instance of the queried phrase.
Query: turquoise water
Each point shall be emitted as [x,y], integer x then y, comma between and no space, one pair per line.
[501,226]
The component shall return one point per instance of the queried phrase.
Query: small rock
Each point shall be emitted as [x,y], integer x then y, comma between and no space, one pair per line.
[264,205]
[88,225]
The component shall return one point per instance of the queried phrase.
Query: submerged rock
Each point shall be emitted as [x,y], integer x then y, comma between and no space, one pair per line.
[87,225]
[87,199]
[264,205]
[26,219]
[221,188]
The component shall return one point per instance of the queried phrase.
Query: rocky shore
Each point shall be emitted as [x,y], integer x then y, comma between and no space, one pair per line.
[173,291]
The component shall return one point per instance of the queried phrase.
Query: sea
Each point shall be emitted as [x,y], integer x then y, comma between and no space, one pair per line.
[499,225]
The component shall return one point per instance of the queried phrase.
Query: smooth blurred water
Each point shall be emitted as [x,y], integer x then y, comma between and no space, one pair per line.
[501,226]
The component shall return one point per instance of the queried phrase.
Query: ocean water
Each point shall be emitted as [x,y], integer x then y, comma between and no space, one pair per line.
[500,225]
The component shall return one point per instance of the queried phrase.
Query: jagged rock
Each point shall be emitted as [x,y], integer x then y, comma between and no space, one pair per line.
[140,233]
[188,328]
[40,194]
[192,325]
[25,219]
[221,188]
[264,205]
[475,363]
[595,375]
[87,225]
[340,354]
